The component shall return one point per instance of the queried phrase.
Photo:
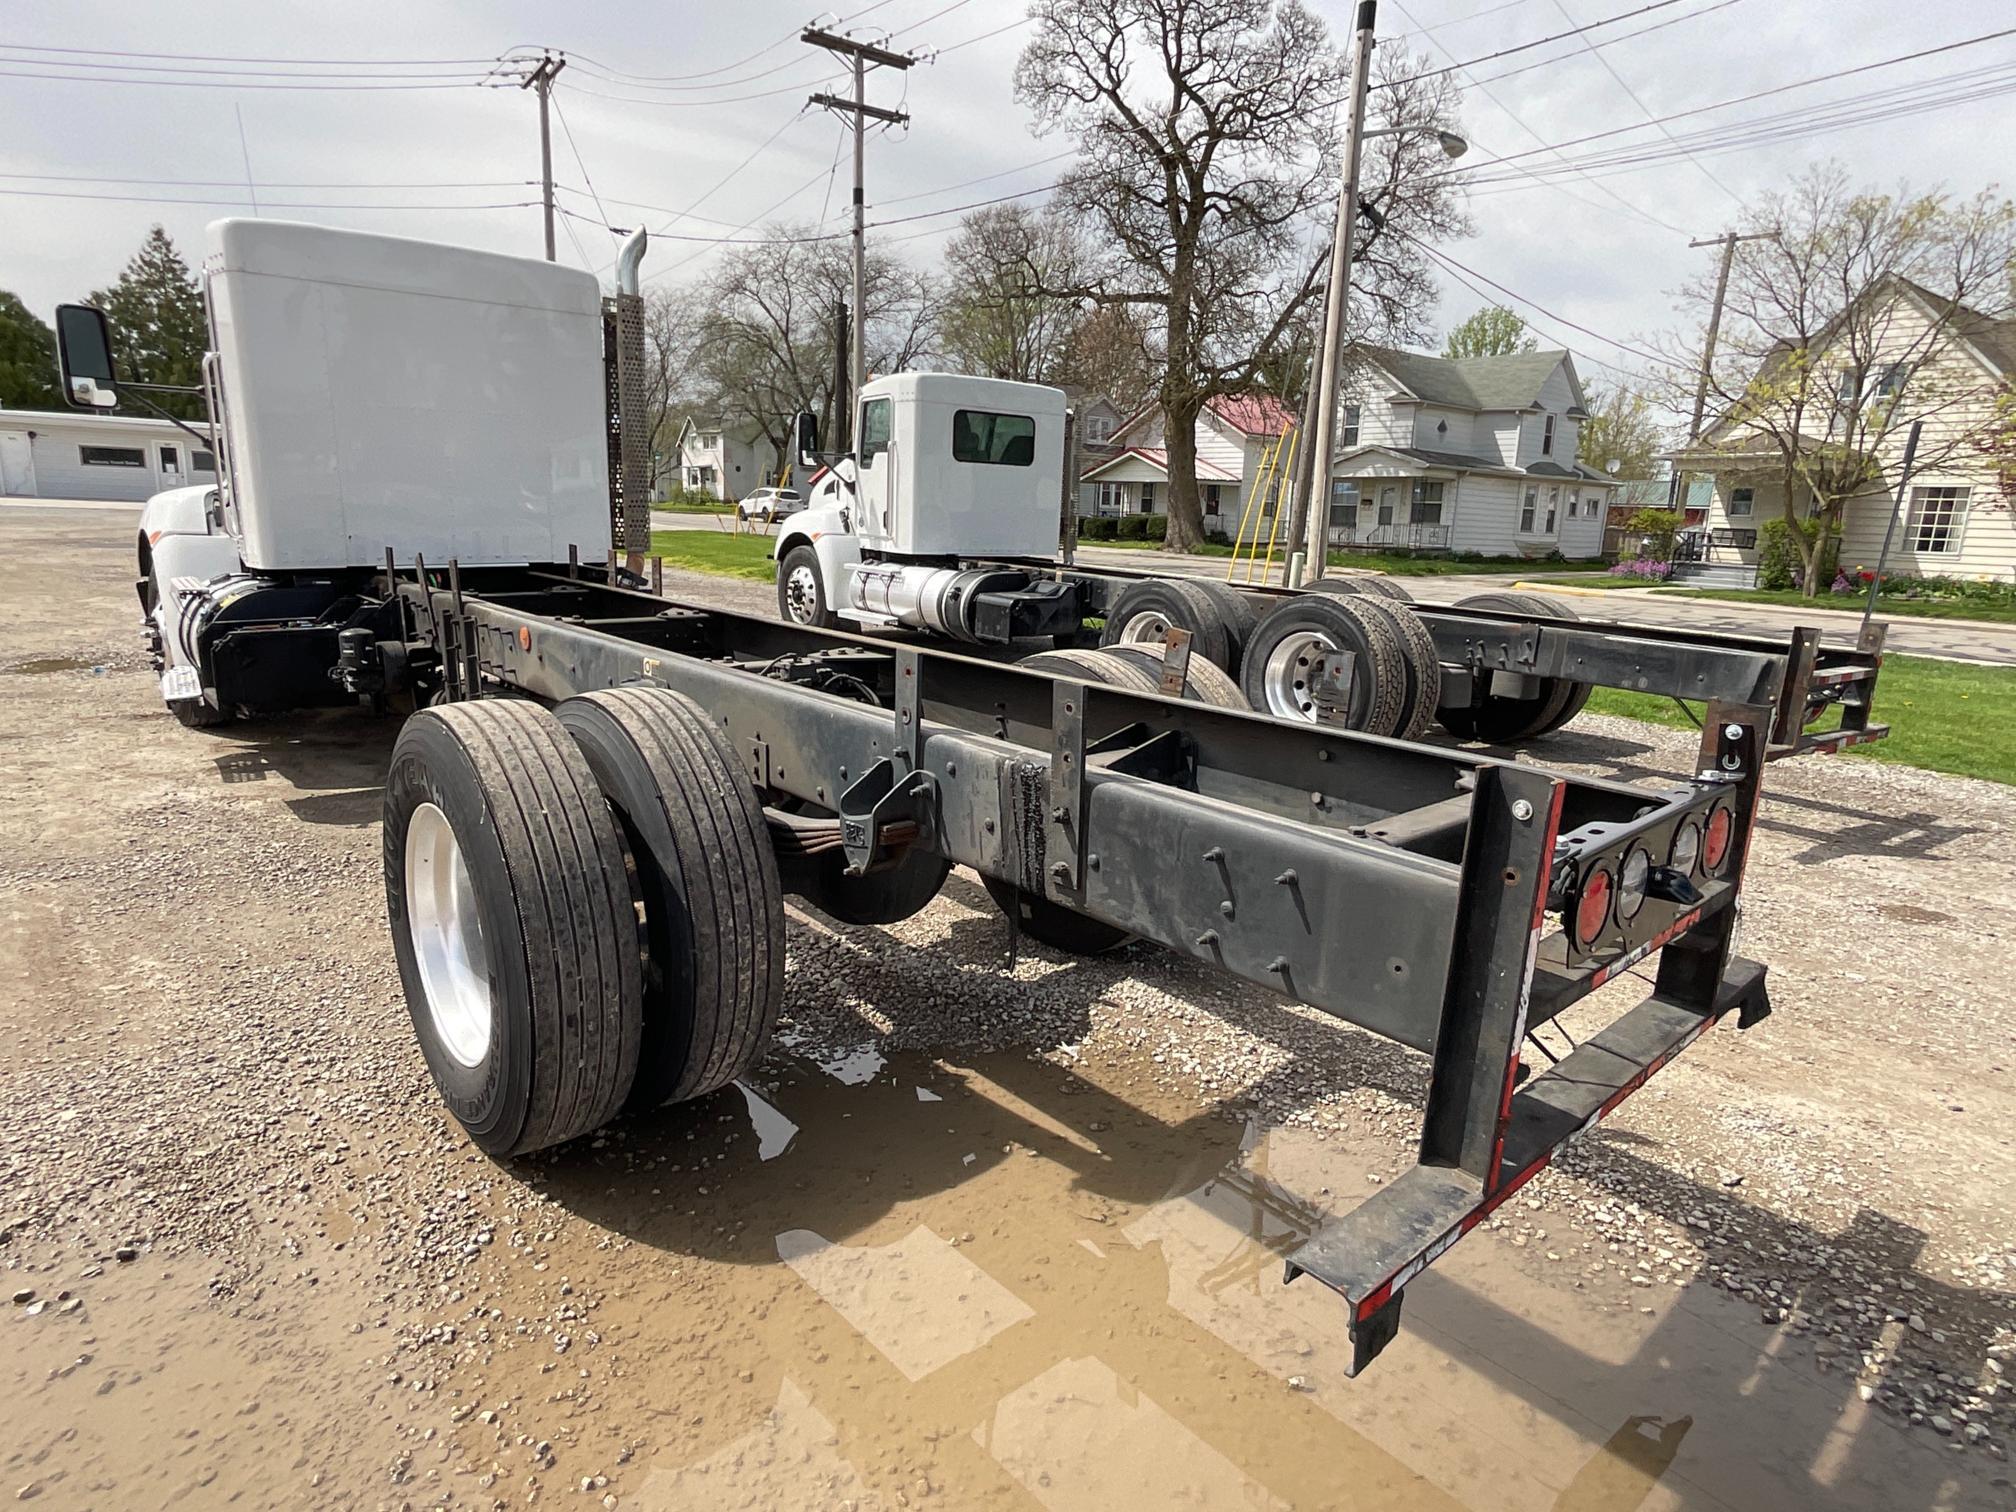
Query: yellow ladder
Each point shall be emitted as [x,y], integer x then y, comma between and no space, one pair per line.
[1275,463]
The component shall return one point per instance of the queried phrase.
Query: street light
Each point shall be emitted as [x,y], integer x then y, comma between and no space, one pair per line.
[1317,540]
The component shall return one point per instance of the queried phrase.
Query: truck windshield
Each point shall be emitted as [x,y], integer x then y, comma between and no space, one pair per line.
[1003,440]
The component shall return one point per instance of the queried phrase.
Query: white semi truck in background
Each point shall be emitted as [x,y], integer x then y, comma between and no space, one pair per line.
[600,797]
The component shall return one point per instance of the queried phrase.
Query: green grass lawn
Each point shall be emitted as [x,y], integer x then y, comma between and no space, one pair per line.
[743,556]
[1209,548]
[1924,608]
[1591,580]
[705,509]
[1943,716]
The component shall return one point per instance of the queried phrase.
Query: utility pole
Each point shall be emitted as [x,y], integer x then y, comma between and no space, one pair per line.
[1727,242]
[1322,439]
[863,55]
[1301,483]
[541,78]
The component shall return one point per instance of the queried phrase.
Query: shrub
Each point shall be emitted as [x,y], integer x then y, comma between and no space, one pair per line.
[1659,526]
[1778,563]
[1652,569]
[1158,526]
[1095,528]
[1132,528]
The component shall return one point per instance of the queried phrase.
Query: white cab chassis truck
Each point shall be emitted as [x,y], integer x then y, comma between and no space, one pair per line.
[599,797]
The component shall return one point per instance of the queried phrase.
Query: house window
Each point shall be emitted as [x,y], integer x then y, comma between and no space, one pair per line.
[1147,498]
[1343,504]
[1848,387]
[203,461]
[1352,415]
[1741,501]
[1527,510]
[1109,499]
[1427,503]
[1553,505]
[1210,498]
[1936,517]
[1098,427]
[111,456]
[1889,380]
[999,440]
[1574,506]
[1547,437]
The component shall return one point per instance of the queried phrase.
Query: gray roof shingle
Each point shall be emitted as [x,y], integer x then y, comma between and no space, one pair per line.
[1472,383]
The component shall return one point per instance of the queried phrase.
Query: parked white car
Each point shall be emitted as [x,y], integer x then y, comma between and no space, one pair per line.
[767,506]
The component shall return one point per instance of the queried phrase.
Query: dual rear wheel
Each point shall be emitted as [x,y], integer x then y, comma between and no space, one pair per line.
[585,910]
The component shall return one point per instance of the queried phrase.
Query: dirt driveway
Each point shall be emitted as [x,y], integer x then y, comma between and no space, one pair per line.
[972,1237]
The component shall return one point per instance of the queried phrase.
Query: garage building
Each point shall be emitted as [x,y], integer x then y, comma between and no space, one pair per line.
[49,455]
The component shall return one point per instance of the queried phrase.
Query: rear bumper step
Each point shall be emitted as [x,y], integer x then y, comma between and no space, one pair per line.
[1370,1254]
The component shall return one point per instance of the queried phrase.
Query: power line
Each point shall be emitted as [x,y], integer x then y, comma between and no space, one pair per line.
[107,52]
[1565,345]
[579,162]
[156,199]
[1644,109]
[761,94]
[984,36]
[1506,52]
[1760,94]
[232,183]
[122,69]
[955,5]
[1520,122]
[213,84]
[1569,57]
[1454,266]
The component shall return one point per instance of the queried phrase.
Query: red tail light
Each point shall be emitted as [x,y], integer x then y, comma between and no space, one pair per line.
[1592,907]
[1721,829]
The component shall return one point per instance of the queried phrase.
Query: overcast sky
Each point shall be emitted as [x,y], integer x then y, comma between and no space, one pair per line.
[1604,253]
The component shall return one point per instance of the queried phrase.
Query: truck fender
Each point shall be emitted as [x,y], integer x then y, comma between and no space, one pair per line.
[823,528]
[178,511]
[187,560]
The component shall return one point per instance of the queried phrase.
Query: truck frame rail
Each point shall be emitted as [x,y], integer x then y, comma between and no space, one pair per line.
[1402,888]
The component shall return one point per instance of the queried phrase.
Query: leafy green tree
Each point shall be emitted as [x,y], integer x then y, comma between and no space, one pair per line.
[158,330]
[27,358]
[1620,429]
[1493,331]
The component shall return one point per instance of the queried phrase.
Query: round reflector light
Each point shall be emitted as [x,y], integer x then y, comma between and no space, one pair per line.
[1631,880]
[1721,829]
[1592,906]
[1686,852]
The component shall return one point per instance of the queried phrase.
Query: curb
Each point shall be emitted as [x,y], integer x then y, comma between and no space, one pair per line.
[1570,588]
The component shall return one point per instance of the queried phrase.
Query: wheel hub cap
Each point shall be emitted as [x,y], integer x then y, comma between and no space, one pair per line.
[447,936]
[801,594]
[1293,670]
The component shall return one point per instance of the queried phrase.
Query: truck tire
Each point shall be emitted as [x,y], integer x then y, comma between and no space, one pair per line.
[1381,586]
[1423,665]
[1104,666]
[1507,721]
[1342,586]
[1053,924]
[801,590]
[1145,610]
[1304,626]
[1204,684]
[198,713]
[1238,613]
[713,912]
[513,922]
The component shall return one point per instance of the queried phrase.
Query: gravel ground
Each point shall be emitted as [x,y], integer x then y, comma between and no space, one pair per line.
[252,1261]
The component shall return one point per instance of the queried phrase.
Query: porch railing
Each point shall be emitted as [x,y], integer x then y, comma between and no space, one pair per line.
[1408,537]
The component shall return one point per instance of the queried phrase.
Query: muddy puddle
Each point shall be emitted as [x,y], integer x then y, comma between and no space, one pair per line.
[874,1282]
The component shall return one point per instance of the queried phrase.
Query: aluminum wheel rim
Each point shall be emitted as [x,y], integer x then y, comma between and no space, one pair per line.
[447,937]
[801,594]
[1289,676]
[1146,628]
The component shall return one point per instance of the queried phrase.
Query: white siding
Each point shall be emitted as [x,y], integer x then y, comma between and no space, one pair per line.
[1381,423]
[1456,438]
[1497,435]
[1582,533]
[1219,443]
[1484,515]
[55,443]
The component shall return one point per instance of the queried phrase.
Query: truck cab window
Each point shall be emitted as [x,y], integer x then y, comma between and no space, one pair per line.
[874,428]
[1001,440]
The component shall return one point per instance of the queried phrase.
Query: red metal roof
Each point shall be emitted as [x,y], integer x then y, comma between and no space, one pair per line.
[1252,414]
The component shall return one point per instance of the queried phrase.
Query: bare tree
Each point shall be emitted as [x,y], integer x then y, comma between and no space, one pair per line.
[1114,350]
[769,333]
[1208,163]
[996,320]
[674,324]
[1846,323]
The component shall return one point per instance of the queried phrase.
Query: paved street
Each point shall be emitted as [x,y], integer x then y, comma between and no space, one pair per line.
[1953,640]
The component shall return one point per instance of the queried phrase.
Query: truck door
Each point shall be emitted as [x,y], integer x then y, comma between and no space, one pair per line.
[875,467]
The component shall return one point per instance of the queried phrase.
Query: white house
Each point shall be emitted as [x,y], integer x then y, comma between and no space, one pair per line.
[53,455]
[1473,454]
[725,462]
[1956,520]
[1235,432]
